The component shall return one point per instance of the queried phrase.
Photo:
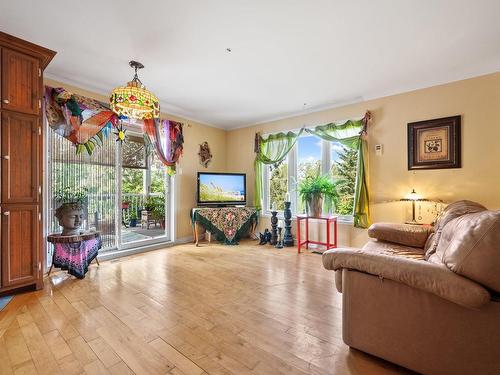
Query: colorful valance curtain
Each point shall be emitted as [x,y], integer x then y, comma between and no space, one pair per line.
[352,134]
[81,120]
[271,150]
[167,140]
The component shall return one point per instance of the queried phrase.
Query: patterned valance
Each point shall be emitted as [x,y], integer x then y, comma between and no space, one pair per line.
[81,120]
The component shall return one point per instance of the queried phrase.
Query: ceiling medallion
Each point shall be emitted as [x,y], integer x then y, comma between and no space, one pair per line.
[133,100]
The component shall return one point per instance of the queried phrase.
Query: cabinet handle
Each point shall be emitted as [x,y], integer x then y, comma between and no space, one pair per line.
[6,101]
[6,213]
[6,157]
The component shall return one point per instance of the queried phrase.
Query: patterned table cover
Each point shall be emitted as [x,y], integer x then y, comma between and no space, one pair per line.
[228,224]
[75,253]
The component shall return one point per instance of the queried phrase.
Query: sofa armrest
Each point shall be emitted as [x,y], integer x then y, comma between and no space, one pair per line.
[404,234]
[419,274]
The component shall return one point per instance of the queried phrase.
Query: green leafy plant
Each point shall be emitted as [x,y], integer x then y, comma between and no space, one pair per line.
[71,194]
[133,215]
[315,186]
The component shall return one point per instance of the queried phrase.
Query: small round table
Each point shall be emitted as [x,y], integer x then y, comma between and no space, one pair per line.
[75,253]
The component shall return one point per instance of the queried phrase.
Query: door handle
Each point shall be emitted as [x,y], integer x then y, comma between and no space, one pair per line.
[6,213]
[6,101]
[6,157]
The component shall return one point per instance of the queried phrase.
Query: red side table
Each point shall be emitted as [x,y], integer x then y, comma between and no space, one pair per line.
[328,219]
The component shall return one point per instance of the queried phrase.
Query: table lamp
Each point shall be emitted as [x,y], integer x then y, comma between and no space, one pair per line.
[413,198]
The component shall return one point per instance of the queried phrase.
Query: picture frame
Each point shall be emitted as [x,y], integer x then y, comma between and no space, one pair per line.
[435,144]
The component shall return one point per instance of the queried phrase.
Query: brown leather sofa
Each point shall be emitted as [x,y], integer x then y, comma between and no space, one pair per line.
[426,299]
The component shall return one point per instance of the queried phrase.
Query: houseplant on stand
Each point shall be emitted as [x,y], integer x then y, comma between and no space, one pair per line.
[71,210]
[314,190]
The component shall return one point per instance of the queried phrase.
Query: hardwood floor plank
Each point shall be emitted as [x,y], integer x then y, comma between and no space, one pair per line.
[135,352]
[82,351]
[104,352]
[41,355]
[176,358]
[120,369]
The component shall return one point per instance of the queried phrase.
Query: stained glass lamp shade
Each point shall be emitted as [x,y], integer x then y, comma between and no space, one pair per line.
[133,100]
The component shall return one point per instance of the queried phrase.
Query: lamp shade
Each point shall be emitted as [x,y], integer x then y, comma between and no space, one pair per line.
[133,100]
[413,196]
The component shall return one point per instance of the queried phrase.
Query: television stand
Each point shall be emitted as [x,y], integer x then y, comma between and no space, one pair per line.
[227,224]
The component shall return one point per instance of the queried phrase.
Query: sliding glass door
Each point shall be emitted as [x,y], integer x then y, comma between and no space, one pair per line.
[144,188]
[128,189]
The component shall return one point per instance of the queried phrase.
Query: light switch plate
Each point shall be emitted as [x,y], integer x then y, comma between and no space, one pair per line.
[379,149]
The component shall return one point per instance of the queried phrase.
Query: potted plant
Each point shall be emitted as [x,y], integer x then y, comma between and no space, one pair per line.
[71,210]
[159,211]
[313,190]
[133,218]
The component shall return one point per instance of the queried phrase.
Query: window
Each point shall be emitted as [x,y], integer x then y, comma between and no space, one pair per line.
[310,156]
[278,185]
[308,161]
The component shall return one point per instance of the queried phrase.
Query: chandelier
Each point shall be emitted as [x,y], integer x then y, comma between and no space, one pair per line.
[133,100]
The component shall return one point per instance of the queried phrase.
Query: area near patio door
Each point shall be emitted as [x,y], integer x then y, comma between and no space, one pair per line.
[128,188]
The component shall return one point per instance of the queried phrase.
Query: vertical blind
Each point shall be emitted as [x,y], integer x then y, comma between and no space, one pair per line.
[96,172]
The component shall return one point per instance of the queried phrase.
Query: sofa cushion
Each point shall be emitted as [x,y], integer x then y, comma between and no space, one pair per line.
[391,248]
[470,246]
[404,234]
[419,274]
[451,212]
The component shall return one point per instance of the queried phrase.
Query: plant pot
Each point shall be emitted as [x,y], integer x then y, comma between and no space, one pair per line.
[70,216]
[315,206]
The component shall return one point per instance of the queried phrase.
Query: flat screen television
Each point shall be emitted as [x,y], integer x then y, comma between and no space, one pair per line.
[221,189]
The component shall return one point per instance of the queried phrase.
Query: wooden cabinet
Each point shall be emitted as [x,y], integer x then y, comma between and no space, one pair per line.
[21,262]
[20,158]
[21,151]
[20,82]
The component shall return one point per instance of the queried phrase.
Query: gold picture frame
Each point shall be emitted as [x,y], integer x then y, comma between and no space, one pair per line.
[435,144]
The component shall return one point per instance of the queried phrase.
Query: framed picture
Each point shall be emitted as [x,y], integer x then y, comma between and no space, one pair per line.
[434,144]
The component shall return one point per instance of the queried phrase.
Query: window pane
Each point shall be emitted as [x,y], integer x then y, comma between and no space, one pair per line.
[278,185]
[343,171]
[308,161]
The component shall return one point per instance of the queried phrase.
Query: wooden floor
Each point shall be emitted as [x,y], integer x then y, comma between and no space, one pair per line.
[185,310]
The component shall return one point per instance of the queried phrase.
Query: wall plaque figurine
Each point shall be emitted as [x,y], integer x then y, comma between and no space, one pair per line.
[204,154]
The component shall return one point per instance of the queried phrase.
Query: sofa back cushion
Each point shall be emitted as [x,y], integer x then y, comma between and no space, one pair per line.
[470,246]
[451,212]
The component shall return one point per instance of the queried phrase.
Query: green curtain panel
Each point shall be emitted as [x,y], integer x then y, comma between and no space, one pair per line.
[352,134]
[271,150]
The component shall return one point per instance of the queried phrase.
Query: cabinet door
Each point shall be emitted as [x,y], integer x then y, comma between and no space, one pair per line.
[20,158]
[20,232]
[20,82]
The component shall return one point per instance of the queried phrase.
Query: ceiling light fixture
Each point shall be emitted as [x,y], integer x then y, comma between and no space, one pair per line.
[133,100]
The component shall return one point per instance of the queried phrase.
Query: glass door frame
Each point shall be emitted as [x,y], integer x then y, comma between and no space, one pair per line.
[168,182]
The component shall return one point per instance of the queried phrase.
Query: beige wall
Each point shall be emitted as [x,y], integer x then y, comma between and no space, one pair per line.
[477,100]
[194,134]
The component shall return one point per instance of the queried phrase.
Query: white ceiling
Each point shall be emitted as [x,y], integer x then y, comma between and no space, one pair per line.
[284,52]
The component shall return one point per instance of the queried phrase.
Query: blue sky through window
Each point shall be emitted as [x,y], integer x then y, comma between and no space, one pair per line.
[309,149]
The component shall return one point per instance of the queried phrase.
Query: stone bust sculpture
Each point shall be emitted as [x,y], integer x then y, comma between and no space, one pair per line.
[70,216]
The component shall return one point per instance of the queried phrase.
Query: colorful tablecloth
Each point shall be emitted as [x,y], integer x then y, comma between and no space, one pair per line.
[228,224]
[75,255]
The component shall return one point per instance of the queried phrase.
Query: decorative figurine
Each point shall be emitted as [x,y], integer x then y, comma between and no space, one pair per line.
[70,216]
[274,225]
[287,237]
[265,237]
[279,243]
